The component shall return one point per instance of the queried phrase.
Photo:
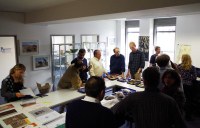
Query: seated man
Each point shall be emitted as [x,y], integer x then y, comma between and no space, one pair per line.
[71,76]
[150,108]
[88,112]
[117,63]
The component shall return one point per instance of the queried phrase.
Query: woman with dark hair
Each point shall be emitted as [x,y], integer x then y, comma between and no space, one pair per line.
[13,83]
[172,84]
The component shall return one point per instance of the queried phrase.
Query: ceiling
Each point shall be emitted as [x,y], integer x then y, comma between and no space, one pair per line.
[40,11]
[29,5]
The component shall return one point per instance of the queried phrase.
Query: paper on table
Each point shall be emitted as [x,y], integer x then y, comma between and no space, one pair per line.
[57,122]
[49,117]
[27,91]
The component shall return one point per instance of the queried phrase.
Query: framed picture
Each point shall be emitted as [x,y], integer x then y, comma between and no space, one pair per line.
[41,62]
[144,46]
[29,47]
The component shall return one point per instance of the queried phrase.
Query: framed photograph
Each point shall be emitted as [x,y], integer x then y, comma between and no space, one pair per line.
[41,62]
[144,46]
[29,47]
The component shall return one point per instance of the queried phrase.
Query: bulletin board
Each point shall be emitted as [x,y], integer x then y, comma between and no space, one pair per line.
[183,49]
[8,55]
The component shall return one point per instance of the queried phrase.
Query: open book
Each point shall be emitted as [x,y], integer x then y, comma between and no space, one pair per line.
[27,91]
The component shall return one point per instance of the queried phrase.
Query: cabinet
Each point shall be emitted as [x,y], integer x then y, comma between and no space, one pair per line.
[62,55]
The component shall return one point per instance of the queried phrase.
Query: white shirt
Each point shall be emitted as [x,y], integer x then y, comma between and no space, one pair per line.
[91,99]
[97,67]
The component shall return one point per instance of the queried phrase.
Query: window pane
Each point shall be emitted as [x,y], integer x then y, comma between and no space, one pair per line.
[166,28]
[166,41]
[133,29]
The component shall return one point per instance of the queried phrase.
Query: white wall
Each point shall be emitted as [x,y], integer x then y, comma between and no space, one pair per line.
[188,32]
[12,24]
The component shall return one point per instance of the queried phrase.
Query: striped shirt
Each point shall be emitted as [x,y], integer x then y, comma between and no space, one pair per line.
[149,109]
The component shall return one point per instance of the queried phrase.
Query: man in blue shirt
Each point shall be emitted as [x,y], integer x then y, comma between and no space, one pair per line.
[117,63]
[153,57]
[85,69]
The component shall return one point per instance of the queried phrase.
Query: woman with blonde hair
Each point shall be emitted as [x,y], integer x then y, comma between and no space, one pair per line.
[188,75]
[13,83]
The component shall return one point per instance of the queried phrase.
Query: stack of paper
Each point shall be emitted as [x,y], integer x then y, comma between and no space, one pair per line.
[27,91]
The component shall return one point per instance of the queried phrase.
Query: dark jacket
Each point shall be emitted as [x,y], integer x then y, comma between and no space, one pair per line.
[9,89]
[84,114]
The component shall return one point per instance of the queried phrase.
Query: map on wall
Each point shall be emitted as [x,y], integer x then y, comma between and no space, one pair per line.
[144,46]
[182,49]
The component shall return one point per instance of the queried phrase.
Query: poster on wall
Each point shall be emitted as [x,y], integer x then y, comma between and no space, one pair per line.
[7,50]
[182,49]
[144,46]
[41,62]
[29,47]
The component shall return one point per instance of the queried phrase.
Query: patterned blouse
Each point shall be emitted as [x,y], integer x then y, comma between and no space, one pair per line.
[187,75]
[9,89]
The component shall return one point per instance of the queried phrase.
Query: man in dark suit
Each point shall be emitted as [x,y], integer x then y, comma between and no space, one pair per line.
[150,108]
[88,112]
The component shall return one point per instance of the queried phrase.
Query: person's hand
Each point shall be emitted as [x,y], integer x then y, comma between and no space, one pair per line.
[84,67]
[89,67]
[19,95]
[128,75]
[83,85]
[123,75]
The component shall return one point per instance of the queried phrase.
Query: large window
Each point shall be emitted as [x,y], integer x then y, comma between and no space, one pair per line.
[132,34]
[165,30]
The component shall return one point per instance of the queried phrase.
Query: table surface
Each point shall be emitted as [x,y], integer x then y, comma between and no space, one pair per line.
[57,98]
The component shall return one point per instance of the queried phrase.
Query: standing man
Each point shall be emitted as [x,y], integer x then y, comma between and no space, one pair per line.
[117,63]
[97,68]
[153,57]
[136,62]
[150,108]
[85,69]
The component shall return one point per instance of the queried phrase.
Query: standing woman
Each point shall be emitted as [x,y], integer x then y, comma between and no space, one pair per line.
[172,83]
[13,83]
[188,75]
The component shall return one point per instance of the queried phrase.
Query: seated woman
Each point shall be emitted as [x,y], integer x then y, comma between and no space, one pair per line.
[172,83]
[13,83]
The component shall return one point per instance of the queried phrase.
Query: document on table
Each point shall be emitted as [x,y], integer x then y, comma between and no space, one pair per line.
[49,117]
[27,91]
[58,122]
[45,115]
